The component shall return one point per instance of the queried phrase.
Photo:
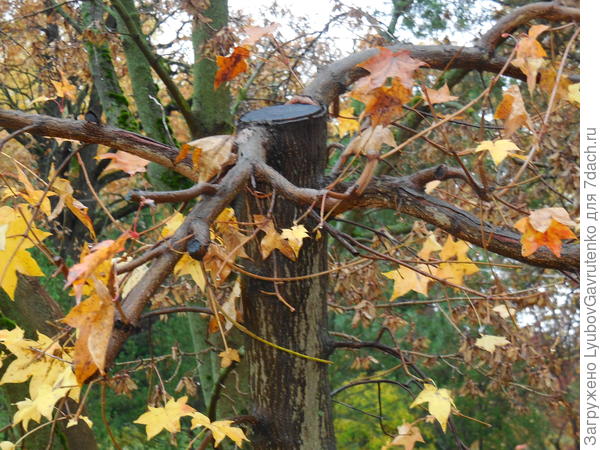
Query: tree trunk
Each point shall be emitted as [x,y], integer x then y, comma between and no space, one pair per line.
[290,395]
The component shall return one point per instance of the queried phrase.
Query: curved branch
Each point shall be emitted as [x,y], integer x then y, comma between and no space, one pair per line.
[334,79]
[542,10]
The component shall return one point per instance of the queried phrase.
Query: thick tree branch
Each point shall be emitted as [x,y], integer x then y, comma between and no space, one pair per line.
[405,195]
[399,193]
[249,143]
[99,134]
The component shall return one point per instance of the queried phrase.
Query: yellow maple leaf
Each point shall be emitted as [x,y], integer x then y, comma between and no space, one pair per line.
[499,149]
[172,224]
[64,88]
[166,417]
[228,356]
[220,429]
[7,445]
[406,280]
[295,236]
[34,196]
[430,245]
[14,257]
[457,264]
[272,240]
[489,342]
[440,403]
[73,421]
[190,266]
[34,362]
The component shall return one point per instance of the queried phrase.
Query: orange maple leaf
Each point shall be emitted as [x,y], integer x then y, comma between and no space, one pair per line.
[530,55]
[100,253]
[512,111]
[94,319]
[545,227]
[384,104]
[231,66]
[388,64]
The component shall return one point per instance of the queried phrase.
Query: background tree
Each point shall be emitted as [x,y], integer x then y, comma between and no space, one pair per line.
[291,228]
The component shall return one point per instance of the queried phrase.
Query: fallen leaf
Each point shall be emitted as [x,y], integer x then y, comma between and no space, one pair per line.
[489,342]
[165,418]
[440,403]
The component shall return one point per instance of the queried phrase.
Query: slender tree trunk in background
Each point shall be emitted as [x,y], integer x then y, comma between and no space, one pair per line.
[290,395]
[211,107]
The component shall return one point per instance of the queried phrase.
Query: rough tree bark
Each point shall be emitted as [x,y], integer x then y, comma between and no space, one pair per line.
[290,395]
